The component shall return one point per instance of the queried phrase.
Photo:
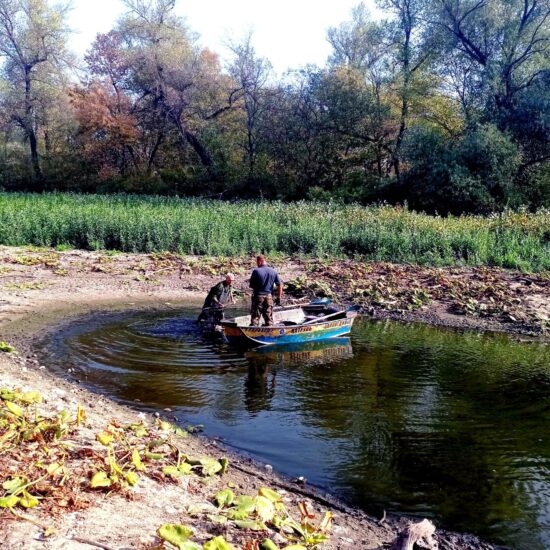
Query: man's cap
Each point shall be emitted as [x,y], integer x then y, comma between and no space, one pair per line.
[230,276]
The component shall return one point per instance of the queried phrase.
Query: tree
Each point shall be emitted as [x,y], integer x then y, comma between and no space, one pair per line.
[174,77]
[359,43]
[107,129]
[411,52]
[393,58]
[505,45]
[509,40]
[473,174]
[111,72]
[362,47]
[32,43]
[251,74]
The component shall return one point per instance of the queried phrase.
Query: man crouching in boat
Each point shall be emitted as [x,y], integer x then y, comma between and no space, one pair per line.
[262,282]
[219,295]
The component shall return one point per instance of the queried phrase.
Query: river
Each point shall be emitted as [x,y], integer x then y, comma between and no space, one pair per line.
[449,425]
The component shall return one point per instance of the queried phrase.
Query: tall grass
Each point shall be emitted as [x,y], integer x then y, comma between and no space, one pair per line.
[145,224]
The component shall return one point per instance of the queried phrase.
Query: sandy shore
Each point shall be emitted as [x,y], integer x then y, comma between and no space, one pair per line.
[35,298]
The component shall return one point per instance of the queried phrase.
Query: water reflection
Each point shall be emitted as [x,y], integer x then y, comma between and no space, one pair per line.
[405,418]
[264,361]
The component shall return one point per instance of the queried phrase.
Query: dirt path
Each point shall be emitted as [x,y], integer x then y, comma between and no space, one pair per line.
[40,288]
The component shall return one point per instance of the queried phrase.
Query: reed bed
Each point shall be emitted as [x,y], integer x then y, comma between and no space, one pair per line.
[193,226]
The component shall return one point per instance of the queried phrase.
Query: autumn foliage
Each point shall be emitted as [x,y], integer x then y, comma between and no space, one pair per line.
[439,105]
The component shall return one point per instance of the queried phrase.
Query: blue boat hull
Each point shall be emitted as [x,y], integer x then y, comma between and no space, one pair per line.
[243,336]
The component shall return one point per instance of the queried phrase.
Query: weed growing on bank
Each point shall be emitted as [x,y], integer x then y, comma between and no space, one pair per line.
[518,240]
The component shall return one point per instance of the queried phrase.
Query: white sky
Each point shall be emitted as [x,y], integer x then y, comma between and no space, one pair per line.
[290,33]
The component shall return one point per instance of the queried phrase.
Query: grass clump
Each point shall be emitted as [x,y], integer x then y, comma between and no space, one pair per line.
[127,223]
[6,348]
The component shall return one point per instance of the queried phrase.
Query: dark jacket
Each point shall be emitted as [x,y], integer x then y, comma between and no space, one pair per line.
[221,292]
[263,280]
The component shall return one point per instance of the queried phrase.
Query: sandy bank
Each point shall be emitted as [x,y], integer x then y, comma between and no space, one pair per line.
[88,283]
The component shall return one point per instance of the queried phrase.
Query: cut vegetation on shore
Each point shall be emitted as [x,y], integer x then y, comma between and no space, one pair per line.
[465,297]
[101,475]
[193,226]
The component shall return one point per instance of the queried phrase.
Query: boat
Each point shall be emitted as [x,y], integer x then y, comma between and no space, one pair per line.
[293,324]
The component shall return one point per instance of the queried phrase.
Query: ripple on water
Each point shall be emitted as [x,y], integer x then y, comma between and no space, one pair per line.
[407,418]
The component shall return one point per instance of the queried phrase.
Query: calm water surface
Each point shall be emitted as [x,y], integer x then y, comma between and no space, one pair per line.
[411,419]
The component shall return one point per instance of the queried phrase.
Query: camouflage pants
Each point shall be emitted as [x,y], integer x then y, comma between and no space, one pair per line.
[261,305]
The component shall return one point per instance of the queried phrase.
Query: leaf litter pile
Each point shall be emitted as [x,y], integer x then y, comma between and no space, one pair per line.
[480,297]
[482,292]
[42,467]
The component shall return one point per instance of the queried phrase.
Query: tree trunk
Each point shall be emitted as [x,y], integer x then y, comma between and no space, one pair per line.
[407,30]
[404,109]
[31,132]
[200,149]
[37,172]
[150,162]
[190,138]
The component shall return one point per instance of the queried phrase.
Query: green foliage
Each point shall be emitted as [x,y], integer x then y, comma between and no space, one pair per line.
[177,535]
[267,511]
[382,233]
[475,173]
[442,104]
[6,348]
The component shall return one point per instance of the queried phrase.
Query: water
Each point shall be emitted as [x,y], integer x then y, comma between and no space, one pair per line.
[441,424]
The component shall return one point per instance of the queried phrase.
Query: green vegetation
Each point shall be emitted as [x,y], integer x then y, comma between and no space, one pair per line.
[6,348]
[146,224]
[261,512]
[440,104]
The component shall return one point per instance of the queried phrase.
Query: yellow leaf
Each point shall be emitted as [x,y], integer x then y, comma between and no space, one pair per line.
[14,408]
[31,397]
[100,479]
[54,469]
[28,500]
[175,534]
[80,415]
[136,461]
[132,478]
[9,501]
[326,522]
[105,438]
[264,508]
[270,494]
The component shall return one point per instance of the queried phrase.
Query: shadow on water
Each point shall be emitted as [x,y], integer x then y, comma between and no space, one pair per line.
[407,418]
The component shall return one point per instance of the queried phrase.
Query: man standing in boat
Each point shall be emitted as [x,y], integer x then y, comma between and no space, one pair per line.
[263,281]
[219,295]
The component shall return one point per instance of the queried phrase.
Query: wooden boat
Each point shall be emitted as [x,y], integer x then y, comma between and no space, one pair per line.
[292,324]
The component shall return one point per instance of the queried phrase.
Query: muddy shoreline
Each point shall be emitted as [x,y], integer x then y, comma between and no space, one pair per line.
[486,299]
[94,284]
[28,368]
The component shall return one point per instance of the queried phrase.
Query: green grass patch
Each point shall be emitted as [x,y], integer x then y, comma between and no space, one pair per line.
[6,348]
[129,223]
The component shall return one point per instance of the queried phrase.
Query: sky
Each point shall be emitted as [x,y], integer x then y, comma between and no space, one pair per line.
[290,33]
